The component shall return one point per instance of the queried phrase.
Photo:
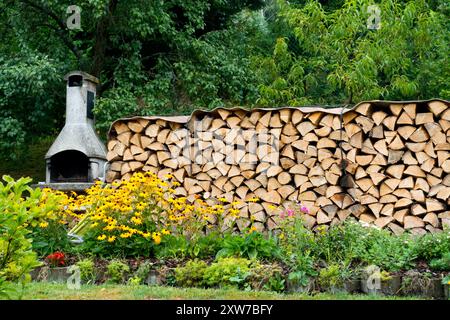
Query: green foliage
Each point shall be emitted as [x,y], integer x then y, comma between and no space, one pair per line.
[151,57]
[432,245]
[298,245]
[442,264]
[328,55]
[31,96]
[231,272]
[12,137]
[352,244]
[192,274]
[223,273]
[50,239]
[276,283]
[169,57]
[206,246]
[389,252]
[180,247]
[119,248]
[134,281]
[298,278]
[87,270]
[19,210]
[252,245]
[117,270]
[331,276]
[141,274]
[342,242]
[173,247]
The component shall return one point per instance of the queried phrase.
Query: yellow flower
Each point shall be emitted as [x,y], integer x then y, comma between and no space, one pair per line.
[252,229]
[111,238]
[109,227]
[157,240]
[255,199]
[272,207]
[156,236]
[43,224]
[140,206]
[137,221]
[125,235]
[234,212]
[102,237]
[223,200]
[165,232]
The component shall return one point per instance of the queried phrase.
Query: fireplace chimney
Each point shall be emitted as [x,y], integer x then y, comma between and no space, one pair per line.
[77,155]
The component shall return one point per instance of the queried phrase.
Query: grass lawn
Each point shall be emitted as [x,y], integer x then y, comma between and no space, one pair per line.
[47,291]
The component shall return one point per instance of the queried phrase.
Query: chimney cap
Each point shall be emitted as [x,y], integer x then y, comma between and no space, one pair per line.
[86,76]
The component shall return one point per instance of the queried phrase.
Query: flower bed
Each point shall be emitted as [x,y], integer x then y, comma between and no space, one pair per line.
[139,232]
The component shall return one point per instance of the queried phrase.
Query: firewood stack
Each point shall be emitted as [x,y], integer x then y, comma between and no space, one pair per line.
[395,173]
[398,157]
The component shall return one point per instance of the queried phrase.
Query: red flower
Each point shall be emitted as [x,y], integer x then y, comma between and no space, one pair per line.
[56,259]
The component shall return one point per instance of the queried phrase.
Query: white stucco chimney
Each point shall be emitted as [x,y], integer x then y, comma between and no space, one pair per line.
[78,154]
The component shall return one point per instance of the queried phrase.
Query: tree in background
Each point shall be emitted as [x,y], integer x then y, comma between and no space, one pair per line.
[152,57]
[173,56]
[328,55]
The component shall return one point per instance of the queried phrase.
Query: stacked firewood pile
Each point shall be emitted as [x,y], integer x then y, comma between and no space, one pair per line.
[382,163]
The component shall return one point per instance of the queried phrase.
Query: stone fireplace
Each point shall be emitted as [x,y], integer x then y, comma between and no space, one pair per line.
[77,156]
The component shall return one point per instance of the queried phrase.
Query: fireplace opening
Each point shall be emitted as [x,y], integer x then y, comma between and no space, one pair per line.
[69,166]
[75,81]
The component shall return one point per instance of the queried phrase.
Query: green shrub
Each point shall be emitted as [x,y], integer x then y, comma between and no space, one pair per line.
[298,278]
[276,283]
[142,272]
[331,276]
[341,242]
[222,272]
[87,270]
[442,264]
[261,275]
[432,245]
[253,245]
[12,137]
[206,246]
[117,271]
[21,208]
[388,251]
[174,247]
[191,275]
[50,239]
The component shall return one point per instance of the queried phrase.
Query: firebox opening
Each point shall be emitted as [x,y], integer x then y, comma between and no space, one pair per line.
[75,81]
[69,166]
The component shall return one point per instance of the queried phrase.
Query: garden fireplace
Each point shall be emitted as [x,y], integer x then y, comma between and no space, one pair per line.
[77,155]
